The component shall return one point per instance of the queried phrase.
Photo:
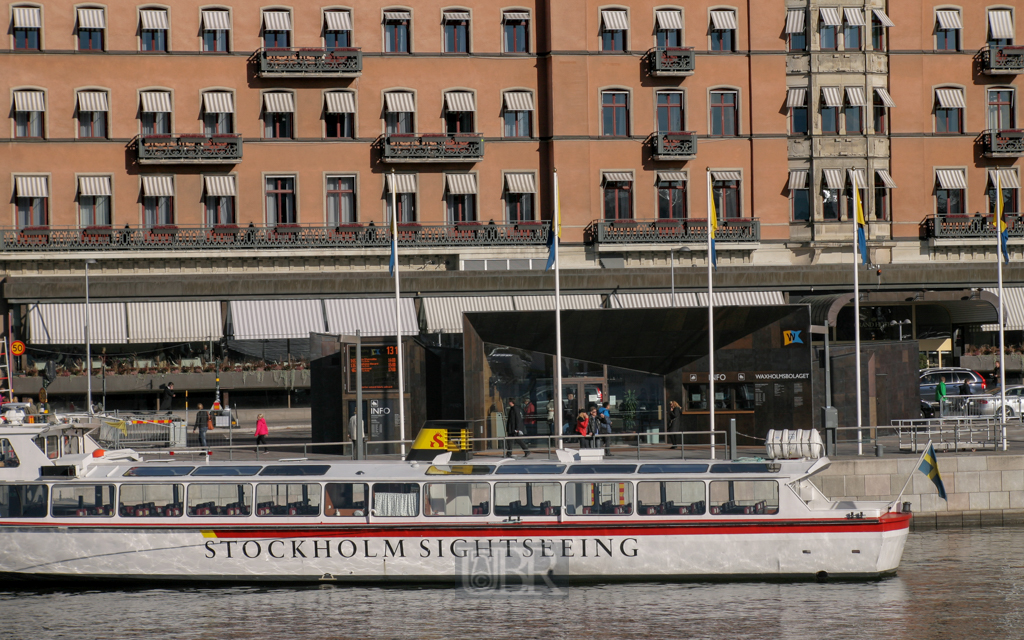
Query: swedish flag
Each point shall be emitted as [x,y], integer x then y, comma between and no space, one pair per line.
[930,467]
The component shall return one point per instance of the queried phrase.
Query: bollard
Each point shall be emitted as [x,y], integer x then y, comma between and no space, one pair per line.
[878,450]
[732,439]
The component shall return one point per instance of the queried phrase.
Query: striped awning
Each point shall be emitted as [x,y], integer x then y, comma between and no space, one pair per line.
[32,186]
[459,101]
[882,18]
[854,16]
[1000,24]
[220,185]
[278,102]
[855,96]
[652,300]
[884,96]
[1007,178]
[399,102]
[834,178]
[830,16]
[796,97]
[460,183]
[742,298]
[885,178]
[669,19]
[158,186]
[950,98]
[340,102]
[397,15]
[372,317]
[92,19]
[726,176]
[456,16]
[338,20]
[94,186]
[795,21]
[29,101]
[403,182]
[797,179]
[672,176]
[547,303]
[28,18]
[444,315]
[618,176]
[518,101]
[217,20]
[277,21]
[951,178]
[856,177]
[520,183]
[1013,309]
[218,102]
[276,319]
[65,323]
[615,20]
[723,20]
[833,98]
[516,15]
[154,19]
[191,321]
[949,19]
[92,101]
[156,102]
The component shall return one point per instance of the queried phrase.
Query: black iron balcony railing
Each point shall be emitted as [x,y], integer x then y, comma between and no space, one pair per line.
[671,231]
[185,148]
[432,147]
[299,63]
[290,236]
[1004,143]
[1003,59]
[680,145]
[671,61]
[972,225]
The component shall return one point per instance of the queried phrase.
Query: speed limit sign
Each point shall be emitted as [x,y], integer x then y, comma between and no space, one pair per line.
[18,348]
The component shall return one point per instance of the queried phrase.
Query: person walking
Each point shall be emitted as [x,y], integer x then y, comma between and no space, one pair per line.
[202,424]
[675,423]
[261,432]
[514,426]
[597,427]
[940,392]
[167,397]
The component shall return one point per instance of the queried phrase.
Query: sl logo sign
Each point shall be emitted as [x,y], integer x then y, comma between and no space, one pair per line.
[791,337]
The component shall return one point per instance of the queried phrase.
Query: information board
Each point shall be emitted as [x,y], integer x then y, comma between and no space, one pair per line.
[380,367]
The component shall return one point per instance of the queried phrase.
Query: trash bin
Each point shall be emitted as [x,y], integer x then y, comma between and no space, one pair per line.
[878,450]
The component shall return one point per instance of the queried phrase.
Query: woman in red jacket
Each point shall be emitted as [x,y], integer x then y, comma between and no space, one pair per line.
[261,432]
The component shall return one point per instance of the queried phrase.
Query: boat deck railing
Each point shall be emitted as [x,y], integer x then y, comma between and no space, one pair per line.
[912,436]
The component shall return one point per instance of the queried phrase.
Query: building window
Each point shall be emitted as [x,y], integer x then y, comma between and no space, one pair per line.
[340,125]
[29,109]
[949,111]
[829,22]
[852,115]
[947,30]
[671,198]
[456,32]
[399,122]
[218,113]
[27,23]
[670,112]
[881,115]
[94,211]
[1000,109]
[800,200]
[517,31]
[92,124]
[519,207]
[1009,187]
[153,36]
[338,30]
[830,203]
[156,123]
[400,111]
[614,26]
[216,25]
[396,31]
[723,30]
[159,211]
[32,201]
[723,113]
[881,200]
[796,30]
[949,201]
[850,205]
[220,210]
[278,115]
[91,25]
[878,34]
[796,100]
[461,207]
[277,29]
[517,124]
[281,201]
[618,199]
[669,32]
[1000,27]
[405,200]
[727,198]
[829,119]
[615,113]
[852,29]
[459,111]
[341,200]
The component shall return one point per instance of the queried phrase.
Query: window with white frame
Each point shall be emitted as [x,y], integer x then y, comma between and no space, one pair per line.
[28,23]
[725,187]
[218,113]
[614,30]
[796,30]
[277,29]
[950,189]
[341,200]
[92,23]
[517,114]
[832,185]
[337,29]
[29,111]
[1001,113]
[155,112]
[92,114]
[947,29]
[949,110]
[281,203]
[520,189]
[618,195]
[669,28]
[339,114]
[879,23]
[1000,27]
[1004,182]
[614,113]
[829,22]
[216,27]
[883,202]
[153,27]
[456,31]
[724,113]
[831,103]
[158,201]
[32,198]
[219,193]
[723,30]
[396,30]
[459,112]
[460,197]
[94,201]
[796,101]
[853,110]
[671,195]
[516,31]
[853,28]
[882,103]
[671,113]
[799,195]
[399,112]
[278,114]
[400,192]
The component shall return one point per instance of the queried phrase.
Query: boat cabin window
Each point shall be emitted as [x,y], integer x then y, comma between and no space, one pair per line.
[219,499]
[82,500]
[296,470]
[23,501]
[743,467]
[288,499]
[598,498]
[744,497]
[50,445]
[673,468]
[158,471]
[346,499]
[508,469]
[226,471]
[457,499]
[151,500]
[460,470]
[72,444]
[8,457]
[527,498]
[396,499]
[610,469]
[670,498]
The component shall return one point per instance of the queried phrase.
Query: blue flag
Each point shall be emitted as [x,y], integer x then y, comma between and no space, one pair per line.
[551,250]
[862,242]
[1004,237]
[930,467]
[391,262]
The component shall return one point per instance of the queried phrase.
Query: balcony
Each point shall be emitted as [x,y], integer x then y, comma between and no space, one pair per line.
[309,63]
[680,145]
[965,226]
[671,231]
[228,237]
[1003,143]
[1003,60]
[671,61]
[432,147]
[184,148]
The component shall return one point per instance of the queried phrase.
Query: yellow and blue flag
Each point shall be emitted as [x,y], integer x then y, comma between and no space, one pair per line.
[556,229]
[930,467]
[862,242]
[712,223]
[1000,222]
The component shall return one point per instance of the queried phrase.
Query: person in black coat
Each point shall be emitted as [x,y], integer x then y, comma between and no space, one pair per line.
[514,425]
[675,423]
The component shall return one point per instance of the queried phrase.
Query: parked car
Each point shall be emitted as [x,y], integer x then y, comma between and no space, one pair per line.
[955,376]
[989,404]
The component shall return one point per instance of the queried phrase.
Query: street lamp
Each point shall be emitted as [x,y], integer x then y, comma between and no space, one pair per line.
[900,324]
[672,267]
[88,342]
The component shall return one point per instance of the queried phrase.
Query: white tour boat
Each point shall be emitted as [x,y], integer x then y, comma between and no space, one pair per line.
[71,511]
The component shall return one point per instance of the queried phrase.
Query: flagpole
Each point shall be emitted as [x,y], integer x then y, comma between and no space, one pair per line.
[398,312]
[556,222]
[856,314]
[1002,337]
[711,313]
